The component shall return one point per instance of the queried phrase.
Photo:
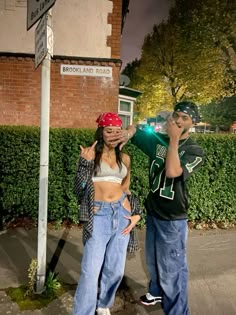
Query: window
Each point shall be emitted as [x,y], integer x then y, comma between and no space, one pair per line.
[125,106]
[125,111]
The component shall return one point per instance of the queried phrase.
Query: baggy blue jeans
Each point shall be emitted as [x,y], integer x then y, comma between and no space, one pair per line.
[104,257]
[167,263]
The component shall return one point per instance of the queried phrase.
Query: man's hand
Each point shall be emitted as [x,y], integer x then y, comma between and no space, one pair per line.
[173,130]
[89,152]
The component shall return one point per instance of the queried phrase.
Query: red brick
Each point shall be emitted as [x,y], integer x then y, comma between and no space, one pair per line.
[75,100]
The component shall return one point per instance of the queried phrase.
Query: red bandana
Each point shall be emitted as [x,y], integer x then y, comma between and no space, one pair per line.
[109,119]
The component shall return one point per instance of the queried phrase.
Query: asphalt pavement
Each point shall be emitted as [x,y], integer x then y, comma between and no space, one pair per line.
[212,271]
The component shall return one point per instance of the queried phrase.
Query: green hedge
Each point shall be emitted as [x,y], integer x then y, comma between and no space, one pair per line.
[212,189]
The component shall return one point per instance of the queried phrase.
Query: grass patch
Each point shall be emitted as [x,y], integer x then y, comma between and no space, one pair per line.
[33,301]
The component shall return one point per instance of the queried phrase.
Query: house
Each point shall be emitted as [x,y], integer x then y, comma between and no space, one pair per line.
[85,67]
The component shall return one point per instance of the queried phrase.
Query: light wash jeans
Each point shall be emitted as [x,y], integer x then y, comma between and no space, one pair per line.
[104,257]
[167,263]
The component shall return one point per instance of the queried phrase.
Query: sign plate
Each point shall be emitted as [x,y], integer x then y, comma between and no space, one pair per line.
[35,9]
[41,41]
[92,71]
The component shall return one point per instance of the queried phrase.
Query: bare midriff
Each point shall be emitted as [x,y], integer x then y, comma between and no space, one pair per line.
[109,192]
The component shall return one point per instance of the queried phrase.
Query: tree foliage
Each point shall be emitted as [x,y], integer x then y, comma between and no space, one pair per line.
[212,24]
[220,114]
[130,70]
[189,56]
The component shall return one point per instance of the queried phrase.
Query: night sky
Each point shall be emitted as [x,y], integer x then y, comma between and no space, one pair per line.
[143,14]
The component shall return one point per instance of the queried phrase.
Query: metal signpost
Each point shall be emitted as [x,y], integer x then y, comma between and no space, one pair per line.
[44,162]
[43,53]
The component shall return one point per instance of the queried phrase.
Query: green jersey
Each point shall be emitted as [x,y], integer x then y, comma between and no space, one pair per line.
[168,197]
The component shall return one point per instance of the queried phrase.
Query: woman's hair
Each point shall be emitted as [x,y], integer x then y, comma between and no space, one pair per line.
[99,148]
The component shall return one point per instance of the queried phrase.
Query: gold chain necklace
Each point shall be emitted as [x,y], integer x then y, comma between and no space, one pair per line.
[185,140]
[108,154]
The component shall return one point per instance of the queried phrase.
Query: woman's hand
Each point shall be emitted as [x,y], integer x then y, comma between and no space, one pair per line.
[133,221]
[122,137]
[89,152]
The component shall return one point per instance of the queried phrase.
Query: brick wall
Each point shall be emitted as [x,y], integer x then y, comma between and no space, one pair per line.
[76,101]
[115,19]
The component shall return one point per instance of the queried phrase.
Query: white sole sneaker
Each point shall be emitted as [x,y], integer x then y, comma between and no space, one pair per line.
[103,311]
[148,299]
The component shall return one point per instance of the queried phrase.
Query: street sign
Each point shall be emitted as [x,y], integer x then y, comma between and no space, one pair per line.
[92,71]
[35,9]
[41,41]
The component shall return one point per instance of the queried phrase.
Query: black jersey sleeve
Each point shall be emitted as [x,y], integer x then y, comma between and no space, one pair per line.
[147,141]
[191,160]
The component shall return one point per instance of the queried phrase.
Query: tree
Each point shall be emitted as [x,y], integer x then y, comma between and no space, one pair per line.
[190,56]
[212,23]
[130,68]
[220,114]
[156,73]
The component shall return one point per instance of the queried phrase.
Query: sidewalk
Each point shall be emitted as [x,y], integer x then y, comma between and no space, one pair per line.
[212,265]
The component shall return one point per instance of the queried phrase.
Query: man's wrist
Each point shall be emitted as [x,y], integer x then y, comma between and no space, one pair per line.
[128,135]
[173,143]
[130,131]
[174,140]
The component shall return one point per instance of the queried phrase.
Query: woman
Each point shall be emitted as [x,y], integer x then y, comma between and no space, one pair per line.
[102,185]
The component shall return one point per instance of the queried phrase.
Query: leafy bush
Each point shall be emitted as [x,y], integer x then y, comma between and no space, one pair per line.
[211,189]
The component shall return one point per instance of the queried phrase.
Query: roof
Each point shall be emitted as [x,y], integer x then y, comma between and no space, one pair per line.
[123,90]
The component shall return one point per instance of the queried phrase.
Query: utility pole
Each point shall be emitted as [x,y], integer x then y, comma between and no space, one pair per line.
[44,163]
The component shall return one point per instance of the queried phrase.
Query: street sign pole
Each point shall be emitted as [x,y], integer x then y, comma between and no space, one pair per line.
[44,162]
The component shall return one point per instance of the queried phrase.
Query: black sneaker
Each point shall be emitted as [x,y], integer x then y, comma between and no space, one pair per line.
[149,299]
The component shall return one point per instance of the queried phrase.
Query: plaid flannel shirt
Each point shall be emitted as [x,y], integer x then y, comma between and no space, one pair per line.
[85,193]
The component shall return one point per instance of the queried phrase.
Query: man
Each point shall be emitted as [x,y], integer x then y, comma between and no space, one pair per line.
[173,159]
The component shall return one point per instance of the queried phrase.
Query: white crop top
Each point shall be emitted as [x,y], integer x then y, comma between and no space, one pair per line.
[108,174]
